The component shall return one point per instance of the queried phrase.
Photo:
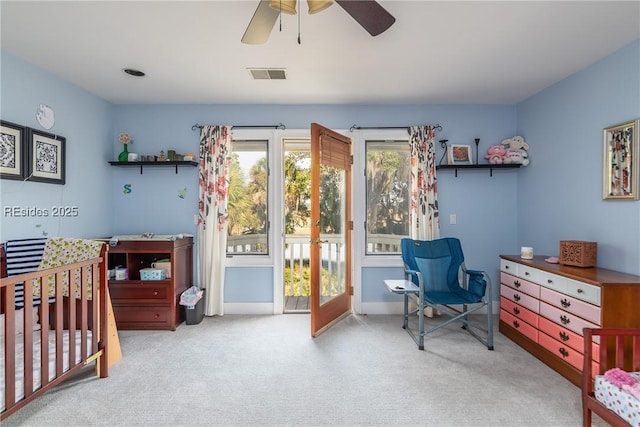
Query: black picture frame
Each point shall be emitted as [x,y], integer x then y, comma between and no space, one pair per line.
[13,151]
[46,159]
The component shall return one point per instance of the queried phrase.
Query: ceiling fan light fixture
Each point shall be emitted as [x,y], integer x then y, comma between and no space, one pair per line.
[284,6]
[316,6]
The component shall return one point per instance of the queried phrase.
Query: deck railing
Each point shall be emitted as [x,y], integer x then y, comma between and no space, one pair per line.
[297,249]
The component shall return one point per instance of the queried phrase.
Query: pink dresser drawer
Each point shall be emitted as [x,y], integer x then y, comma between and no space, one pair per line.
[520,312]
[520,285]
[564,318]
[520,298]
[523,327]
[566,336]
[563,351]
[585,310]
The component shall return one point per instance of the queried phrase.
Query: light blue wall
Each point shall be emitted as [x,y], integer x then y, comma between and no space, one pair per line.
[254,281]
[85,121]
[558,196]
[560,193]
[485,206]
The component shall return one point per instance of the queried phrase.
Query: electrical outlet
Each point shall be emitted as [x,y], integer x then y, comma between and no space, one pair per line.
[452,219]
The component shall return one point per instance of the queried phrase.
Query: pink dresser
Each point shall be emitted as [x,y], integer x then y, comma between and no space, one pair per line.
[545,307]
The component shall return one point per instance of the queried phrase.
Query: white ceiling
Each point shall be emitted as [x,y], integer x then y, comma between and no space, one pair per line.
[437,52]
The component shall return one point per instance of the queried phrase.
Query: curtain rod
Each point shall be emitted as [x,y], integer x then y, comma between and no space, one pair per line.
[278,126]
[354,127]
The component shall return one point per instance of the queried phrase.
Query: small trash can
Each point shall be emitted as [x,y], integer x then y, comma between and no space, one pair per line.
[194,312]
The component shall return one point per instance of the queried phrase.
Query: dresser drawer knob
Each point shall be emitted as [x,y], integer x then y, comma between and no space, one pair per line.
[516,310]
[517,284]
[580,291]
[526,273]
[155,293]
[506,267]
[516,297]
[565,303]
[564,336]
[155,316]
[516,324]
[563,352]
[549,281]
[565,320]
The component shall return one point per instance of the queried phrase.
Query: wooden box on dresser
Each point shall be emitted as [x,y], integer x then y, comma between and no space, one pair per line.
[544,308]
[150,304]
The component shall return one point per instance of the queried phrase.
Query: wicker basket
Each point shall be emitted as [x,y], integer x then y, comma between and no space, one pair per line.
[578,253]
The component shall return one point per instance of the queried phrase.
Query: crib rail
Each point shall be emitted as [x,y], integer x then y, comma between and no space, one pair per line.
[79,316]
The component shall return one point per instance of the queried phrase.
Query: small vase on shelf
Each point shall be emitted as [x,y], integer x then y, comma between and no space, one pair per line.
[124,156]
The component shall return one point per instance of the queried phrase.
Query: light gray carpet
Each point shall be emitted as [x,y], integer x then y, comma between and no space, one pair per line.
[268,371]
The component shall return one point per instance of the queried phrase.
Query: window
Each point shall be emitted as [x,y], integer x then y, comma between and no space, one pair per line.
[387,173]
[248,199]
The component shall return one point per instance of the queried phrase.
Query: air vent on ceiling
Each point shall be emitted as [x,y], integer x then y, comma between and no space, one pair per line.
[268,73]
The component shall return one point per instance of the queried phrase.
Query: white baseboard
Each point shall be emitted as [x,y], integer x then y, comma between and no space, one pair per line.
[366,308]
[398,308]
[381,308]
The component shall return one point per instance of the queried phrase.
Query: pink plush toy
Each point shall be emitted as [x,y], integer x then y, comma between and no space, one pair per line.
[496,154]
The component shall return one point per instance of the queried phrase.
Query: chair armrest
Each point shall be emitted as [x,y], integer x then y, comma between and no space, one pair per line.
[474,272]
[420,284]
[407,271]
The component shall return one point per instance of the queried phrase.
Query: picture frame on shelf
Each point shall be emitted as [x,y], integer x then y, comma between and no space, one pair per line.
[459,154]
[621,149]
[46,159]
[13,153]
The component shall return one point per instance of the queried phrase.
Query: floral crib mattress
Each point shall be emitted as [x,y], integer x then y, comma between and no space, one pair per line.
[618,400]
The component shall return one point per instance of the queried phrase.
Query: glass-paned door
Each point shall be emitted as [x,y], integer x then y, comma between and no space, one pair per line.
[331,227]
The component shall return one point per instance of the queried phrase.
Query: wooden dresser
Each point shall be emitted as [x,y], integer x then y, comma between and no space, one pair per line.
[150,304]
[545,307]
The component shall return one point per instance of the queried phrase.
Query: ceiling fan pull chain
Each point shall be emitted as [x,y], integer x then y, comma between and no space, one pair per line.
[299,13]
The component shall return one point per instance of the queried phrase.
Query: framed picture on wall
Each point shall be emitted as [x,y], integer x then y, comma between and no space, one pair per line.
[12,151]
[46,157]
[459,154]
[620,177]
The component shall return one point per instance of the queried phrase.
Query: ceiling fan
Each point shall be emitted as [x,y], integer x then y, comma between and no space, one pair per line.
[368,13]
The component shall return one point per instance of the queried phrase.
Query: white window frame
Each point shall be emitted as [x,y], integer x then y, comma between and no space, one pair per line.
[259,260]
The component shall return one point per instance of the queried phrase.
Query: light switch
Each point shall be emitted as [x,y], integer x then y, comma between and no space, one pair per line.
[452,219]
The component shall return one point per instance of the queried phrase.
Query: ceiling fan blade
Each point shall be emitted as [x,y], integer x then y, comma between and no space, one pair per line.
[368,13]
[261,24]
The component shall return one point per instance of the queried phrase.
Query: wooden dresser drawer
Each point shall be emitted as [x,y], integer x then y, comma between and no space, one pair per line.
[561,350]
[566,353]
[520,284]
[520,325]
[144,317]
[509,267]
[583,291]
[564,302]
[564,318]
[518,311]
[534,274]
[520,298]
[565,336]
[141,292]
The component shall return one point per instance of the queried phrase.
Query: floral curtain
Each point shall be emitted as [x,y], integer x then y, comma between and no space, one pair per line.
[423,212]
[215,161]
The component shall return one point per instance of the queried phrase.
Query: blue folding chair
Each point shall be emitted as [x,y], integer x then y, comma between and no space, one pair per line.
[437,268]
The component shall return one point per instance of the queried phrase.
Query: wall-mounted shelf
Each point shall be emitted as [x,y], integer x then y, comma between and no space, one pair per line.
[487,166]
[155,164]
